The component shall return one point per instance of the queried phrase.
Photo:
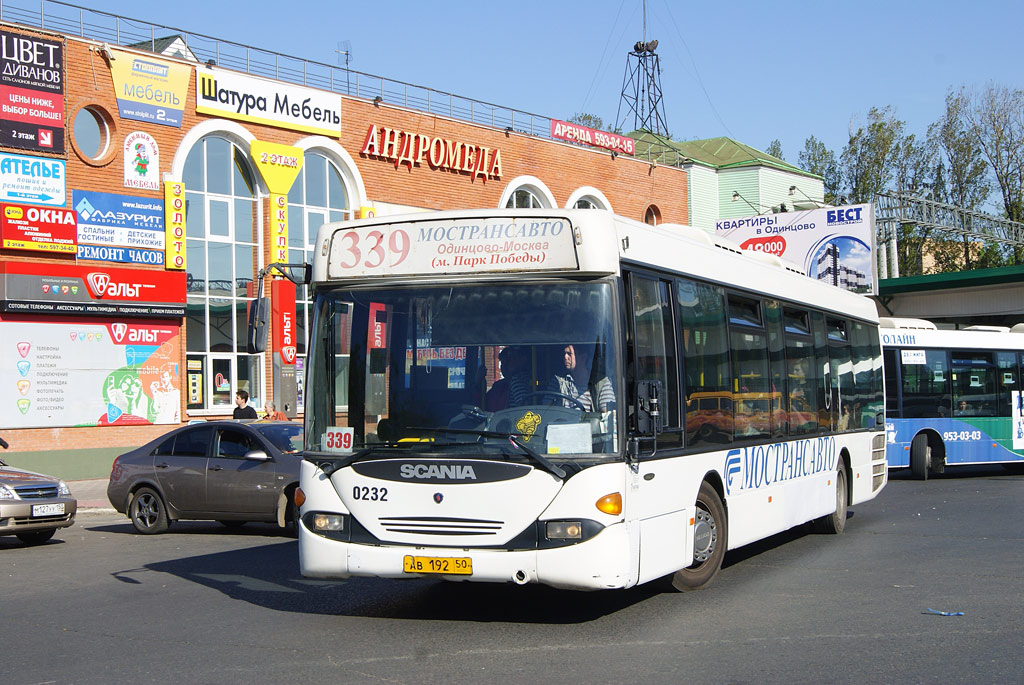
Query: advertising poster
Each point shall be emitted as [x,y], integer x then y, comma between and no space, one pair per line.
[41,229]
[141,161]
[1017,427]
[66,373]
[148,88]
[834,245]
[31,93]
[119,228]
[35,180]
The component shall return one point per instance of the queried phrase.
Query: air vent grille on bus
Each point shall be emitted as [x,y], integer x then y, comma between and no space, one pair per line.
[439,525]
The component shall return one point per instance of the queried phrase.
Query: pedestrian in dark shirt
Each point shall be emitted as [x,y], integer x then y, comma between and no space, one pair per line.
[242,408]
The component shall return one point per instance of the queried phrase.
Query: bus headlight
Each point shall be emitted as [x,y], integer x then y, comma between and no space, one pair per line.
[564,530]
[328,522]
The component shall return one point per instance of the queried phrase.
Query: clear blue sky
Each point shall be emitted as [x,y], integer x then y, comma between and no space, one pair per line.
[750,70]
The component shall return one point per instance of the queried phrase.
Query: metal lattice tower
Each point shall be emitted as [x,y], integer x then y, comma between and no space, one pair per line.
[641,88]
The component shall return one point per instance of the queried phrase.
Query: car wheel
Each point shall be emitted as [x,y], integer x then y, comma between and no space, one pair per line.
[232,524]
[711,539]
[36,537]
[147,512]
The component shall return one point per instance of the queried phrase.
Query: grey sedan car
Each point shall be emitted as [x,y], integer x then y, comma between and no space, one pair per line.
[33,506]
[226,471]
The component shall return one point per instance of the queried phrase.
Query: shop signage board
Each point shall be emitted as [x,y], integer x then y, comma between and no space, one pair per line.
[174,230]
[32,180]
[834,245]
[60,372]
[239,96]
[149,89]
[574,133]
[119,228]
[141,161]
[39,288]
[279,165]
[31,93]
[413,149]
[40,229]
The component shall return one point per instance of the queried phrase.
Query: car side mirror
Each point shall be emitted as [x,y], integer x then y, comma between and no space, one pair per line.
[257,455]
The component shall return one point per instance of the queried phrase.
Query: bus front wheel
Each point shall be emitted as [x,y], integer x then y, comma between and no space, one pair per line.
[920,457]
[710,537]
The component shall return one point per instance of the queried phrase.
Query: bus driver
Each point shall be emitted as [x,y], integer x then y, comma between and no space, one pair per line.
[578,360]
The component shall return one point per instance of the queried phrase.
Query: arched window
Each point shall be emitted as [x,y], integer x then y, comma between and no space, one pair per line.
[223,254]
[652,216]
[317,197]
[585,203]
[523,199]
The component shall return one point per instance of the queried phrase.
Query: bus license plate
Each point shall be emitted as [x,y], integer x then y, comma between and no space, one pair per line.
[462,566]
[47,509]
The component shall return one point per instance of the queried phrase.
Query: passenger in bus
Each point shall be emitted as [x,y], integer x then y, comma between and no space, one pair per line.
[964,409]
[579,375]
[512,389]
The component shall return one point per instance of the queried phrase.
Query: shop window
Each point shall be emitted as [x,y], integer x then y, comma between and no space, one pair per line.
[317,196]
[92,130]
[652,216]
[223,246]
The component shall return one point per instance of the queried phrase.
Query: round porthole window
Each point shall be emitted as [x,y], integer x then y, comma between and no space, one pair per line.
[91,132]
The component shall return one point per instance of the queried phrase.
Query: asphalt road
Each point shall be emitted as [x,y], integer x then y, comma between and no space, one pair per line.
[202,604]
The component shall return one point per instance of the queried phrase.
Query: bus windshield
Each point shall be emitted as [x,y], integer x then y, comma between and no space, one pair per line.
[488,368]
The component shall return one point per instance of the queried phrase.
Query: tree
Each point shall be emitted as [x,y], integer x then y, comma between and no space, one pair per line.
[968,185]
[995,118]
[867,160]
[775,149]
[819,160]
[588,120]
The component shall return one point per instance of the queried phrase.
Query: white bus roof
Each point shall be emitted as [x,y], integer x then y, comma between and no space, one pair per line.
[588,242]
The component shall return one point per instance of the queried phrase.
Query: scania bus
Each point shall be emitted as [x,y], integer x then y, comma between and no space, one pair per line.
[952,396]
[673,398]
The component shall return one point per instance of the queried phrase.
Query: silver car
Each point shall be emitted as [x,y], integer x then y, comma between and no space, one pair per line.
[33,506]
[226,471]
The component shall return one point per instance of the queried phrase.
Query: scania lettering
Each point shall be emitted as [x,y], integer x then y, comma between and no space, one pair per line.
[613,405]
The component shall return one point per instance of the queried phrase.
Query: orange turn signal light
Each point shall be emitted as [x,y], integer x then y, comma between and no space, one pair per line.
[610,504]
[300,497]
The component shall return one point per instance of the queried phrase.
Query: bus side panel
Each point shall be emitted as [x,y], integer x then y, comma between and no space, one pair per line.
[967,440]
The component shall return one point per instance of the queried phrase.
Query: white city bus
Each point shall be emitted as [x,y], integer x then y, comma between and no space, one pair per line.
[953,396]
[668,397]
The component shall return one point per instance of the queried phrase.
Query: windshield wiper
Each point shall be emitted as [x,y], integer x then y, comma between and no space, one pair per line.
[514,438]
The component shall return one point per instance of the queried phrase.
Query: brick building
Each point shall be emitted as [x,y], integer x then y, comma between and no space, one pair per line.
[142,192]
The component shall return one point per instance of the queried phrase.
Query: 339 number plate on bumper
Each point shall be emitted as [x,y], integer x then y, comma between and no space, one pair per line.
[462,566]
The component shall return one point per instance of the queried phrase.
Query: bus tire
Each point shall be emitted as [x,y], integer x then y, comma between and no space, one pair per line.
[920,456]
[835,523]
[710,540]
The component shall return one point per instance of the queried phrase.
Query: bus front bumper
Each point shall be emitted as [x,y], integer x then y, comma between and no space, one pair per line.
[602,562]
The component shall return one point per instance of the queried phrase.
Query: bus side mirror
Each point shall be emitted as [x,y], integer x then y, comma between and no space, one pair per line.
[648,407]
[256,335]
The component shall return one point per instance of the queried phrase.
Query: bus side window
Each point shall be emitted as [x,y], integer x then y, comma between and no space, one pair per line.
[708,392]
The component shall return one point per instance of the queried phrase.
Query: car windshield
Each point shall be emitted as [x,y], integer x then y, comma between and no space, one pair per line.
[465,367]
[285,437]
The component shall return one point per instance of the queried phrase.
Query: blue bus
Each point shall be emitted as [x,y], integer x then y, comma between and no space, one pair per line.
[952,396]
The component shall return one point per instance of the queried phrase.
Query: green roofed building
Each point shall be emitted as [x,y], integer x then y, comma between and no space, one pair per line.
[728,179]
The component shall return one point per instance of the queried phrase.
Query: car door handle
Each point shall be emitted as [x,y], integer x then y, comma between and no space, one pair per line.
[216,468]
[164,465]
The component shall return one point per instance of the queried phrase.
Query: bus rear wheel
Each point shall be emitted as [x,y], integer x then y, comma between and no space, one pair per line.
[920,457]
[835,523]
[710,538]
